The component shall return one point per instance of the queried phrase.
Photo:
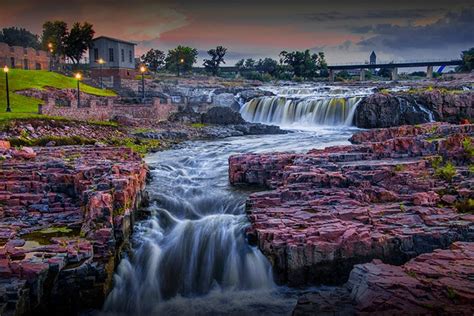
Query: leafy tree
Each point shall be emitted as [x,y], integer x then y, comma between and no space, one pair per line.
[385,72]
[268,65]
[14,36]
[240,64]
[78,41]
[217,57]
[303,63]
[56,33]
[249,64]
[467,57]
[153,59]
[181,58]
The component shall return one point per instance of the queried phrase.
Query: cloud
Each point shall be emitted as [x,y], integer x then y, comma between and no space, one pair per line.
[455,28]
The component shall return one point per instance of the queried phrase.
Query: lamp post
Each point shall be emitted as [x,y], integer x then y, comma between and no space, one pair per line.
[5,69]
[78,77]
[101,62]
[50,47]
[142,70]
[180,61]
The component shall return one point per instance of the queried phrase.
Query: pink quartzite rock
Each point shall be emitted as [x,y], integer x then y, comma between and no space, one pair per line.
[339,206]
[437,283]
[63,215]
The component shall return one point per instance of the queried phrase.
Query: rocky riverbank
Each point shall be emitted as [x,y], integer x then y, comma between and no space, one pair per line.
[65,214]
[400,193]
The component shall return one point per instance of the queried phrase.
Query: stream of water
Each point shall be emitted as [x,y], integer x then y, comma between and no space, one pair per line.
[191,257]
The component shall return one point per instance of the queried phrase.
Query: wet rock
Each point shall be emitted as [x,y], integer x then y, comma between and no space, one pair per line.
[332,208]
[222,116]
[62,222]
[437,283]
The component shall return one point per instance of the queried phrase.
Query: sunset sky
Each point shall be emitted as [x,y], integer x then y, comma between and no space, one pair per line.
[346,31]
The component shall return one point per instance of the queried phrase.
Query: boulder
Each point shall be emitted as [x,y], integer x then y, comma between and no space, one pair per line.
[223,99]
[222,116]
[386,110]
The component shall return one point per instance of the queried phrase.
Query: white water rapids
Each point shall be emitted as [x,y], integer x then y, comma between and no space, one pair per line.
[298,107]
[191,256]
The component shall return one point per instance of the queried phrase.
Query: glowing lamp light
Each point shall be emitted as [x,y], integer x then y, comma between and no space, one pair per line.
[5,69]
[101,61]
[78,76]
[142,69]
[181,60]
[50,45]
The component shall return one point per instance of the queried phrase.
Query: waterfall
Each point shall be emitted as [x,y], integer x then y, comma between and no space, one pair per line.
[280,110]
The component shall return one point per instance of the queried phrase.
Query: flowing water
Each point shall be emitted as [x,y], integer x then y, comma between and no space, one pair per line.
[305,106]
[191,256]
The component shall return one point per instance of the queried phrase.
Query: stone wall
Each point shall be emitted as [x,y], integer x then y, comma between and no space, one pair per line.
[23,58]
[103,109]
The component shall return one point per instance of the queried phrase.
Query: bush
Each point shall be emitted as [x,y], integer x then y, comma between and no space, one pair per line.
[447,172]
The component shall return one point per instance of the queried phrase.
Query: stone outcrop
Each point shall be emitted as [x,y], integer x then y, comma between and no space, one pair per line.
[437,283]
[65,213]
[332,208]
[222,116]
[414,107]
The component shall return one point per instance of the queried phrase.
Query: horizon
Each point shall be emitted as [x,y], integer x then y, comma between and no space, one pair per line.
[344,31]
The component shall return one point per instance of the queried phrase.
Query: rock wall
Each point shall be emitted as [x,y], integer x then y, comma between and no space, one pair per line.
[65,213]
[330,209]
[106,109]
[395,109]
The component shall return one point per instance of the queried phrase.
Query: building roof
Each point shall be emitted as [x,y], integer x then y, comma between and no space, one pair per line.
[373,54]
[114,40]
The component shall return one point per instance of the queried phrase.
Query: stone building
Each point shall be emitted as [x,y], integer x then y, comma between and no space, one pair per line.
[118,58]
[23,57]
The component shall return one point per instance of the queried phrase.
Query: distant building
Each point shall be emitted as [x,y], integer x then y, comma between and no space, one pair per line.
[23,57]
[373,58]
[118,58]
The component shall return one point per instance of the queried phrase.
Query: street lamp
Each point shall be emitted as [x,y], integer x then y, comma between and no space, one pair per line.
[50,48]
[5,70]
[78,76]
[180,61]
[143,70]
[101,62]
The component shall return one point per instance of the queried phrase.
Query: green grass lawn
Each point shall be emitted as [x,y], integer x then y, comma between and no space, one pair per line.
[25,107]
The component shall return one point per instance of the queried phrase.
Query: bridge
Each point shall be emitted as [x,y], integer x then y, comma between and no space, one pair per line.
[393,66]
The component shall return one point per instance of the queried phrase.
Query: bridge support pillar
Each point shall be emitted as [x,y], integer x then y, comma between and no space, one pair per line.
[331,75]
[362,75]
[429,72]
[395,73]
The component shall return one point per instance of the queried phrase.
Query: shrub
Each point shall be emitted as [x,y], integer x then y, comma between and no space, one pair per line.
[447,172]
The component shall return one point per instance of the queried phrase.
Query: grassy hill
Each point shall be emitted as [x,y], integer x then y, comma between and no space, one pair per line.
[35,79]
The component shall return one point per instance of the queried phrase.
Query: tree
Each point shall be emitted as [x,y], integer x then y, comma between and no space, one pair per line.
[268,65]
[467,57]
[181,58]
[55,33]
[14,36]
[303,63]
[217,58]
[153,59]
[78,41]
[249,64]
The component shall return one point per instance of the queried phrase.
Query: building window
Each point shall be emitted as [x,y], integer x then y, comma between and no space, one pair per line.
[38,66]
[122,53]
[130,56]
[111,55]
[12,62]
[25,64]
[96,54]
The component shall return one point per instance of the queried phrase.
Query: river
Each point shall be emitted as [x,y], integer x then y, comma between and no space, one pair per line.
[191,256]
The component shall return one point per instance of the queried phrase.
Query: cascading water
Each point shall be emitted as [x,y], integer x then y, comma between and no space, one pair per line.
[283,111]
[191,257]
[305,106]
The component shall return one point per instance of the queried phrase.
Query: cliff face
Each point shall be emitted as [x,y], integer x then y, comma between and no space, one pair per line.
[385,198]
[65,214]
[401,108]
